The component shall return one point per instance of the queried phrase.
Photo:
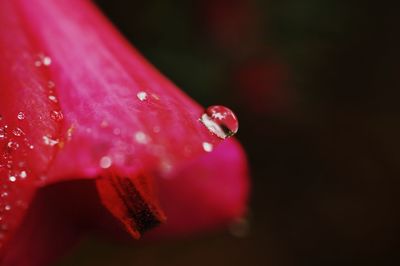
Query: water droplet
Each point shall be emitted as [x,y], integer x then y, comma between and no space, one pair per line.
[46,61]
[56,115]
[7,207]
[53,98]
[13,145]
[220,121]
[21,116]
[105,162]
[4,194]
[23,174]
[12,178]
[142,95]
[18,132]
[141,137]
[49,141]
[208,147]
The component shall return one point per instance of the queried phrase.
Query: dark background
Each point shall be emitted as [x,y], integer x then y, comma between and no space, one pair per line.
[315,85]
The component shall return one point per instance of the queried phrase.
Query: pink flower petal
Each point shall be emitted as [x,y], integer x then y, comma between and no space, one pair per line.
[93,107]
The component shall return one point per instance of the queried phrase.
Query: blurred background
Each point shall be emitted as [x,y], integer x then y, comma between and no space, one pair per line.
[315,85]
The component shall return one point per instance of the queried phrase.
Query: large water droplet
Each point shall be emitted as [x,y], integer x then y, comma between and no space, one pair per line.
[220,121]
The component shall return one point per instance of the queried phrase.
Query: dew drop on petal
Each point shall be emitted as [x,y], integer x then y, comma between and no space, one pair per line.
[141,137]
[56,115]
[105,162]
[18,132]
[13,145]
[142,95]
[53,98]
[220,120]
[46,61]
[12,178]
[21,116]
[49,141]
[7,207]
[208,147]
[23,174]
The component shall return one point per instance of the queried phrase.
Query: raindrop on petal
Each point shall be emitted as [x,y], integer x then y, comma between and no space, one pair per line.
[221,121]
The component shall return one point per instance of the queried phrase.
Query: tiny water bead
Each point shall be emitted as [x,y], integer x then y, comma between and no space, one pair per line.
[53,98]
[18,132]
[21,116]
[142,95]
[105,162]
[208,147]
[43,60]
[141,137]
[220,120]
[56,115]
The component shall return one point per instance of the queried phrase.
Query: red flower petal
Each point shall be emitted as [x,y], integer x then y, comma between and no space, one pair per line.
[95,108]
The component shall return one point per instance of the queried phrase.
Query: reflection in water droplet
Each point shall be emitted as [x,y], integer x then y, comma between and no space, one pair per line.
[105,162]
[21,116]
[208,147]
[220,121]
[142,95]
[56,115]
